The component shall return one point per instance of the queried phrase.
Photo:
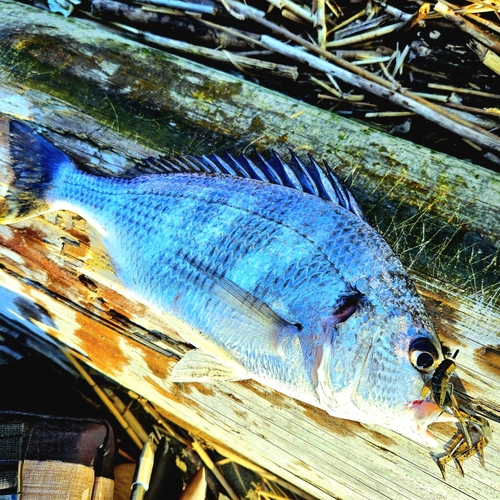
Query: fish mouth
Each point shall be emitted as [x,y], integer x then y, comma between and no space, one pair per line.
[426,412]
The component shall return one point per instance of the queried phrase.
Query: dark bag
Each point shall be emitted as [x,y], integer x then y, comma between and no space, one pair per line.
[49,458]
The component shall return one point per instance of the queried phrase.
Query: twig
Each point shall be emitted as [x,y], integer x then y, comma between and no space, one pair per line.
[397,14]
[357,28]
[271,496]
[459,90]
[472,145]
[200,8]
[432,97]
[399,60]
[374,60]
[477,19]
[320,22]
[242,63]
[107,402]
[336,9]
[213,469]
[128,416]
[292,17]
[421,13]
[486,56]
[266,475]
[485,38]
[435,74]
[388,114]
[296,9]
[337,93]
[248,37]
[388,75]
[478,120]
[382,88]
[348,21]
[361,55]
[485,22]
[478,111]
[358,103]
[363,37]
[354,75]
[149,408]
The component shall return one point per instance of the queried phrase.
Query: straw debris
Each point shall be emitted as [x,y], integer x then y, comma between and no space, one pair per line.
[348,56]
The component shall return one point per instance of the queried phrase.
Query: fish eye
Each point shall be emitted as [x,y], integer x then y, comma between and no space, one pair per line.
[423,354]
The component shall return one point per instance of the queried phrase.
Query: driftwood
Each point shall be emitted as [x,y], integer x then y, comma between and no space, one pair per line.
[109,102]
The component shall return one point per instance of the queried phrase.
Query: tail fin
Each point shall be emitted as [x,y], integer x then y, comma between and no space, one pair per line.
[28,166]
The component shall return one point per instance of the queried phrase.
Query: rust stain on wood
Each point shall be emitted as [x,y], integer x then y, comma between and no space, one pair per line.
[205,389]
[344,428]
[178,393]
[102,346]
[488,359]
[117,306]
[160,365]
[28,242]
[444,318]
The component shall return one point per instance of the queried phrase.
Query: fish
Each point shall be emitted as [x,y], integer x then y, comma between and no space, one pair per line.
[269,269]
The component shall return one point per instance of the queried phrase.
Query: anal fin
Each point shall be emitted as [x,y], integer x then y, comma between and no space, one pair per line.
[199,366]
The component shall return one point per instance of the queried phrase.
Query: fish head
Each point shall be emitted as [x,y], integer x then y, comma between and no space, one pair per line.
[373,366]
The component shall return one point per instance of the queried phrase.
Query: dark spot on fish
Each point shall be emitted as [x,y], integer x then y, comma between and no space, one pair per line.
[346,307]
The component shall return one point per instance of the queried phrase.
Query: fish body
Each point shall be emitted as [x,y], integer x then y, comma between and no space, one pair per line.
[290,288]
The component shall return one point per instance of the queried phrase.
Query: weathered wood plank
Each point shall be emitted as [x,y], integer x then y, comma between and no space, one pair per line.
[110,101]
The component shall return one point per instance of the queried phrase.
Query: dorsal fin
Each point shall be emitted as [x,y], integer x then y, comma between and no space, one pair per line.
[309,178]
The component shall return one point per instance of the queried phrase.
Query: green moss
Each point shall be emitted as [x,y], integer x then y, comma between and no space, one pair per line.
[119,95]
[432,247]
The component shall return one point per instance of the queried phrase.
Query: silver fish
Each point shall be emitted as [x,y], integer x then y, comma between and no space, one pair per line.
[269,269]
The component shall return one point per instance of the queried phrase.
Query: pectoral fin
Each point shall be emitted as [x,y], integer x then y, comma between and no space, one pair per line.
[199,366]
[273,330]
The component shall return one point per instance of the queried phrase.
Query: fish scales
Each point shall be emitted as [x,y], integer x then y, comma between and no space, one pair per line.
[221,218]
[269,282]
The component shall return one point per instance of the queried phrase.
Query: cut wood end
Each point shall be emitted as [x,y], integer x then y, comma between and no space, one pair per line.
[442,9]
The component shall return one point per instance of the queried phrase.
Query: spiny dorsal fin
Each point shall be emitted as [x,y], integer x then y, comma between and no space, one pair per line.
[309,178]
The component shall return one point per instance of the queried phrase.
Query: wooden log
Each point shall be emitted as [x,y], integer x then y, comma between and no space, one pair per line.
[109,101]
